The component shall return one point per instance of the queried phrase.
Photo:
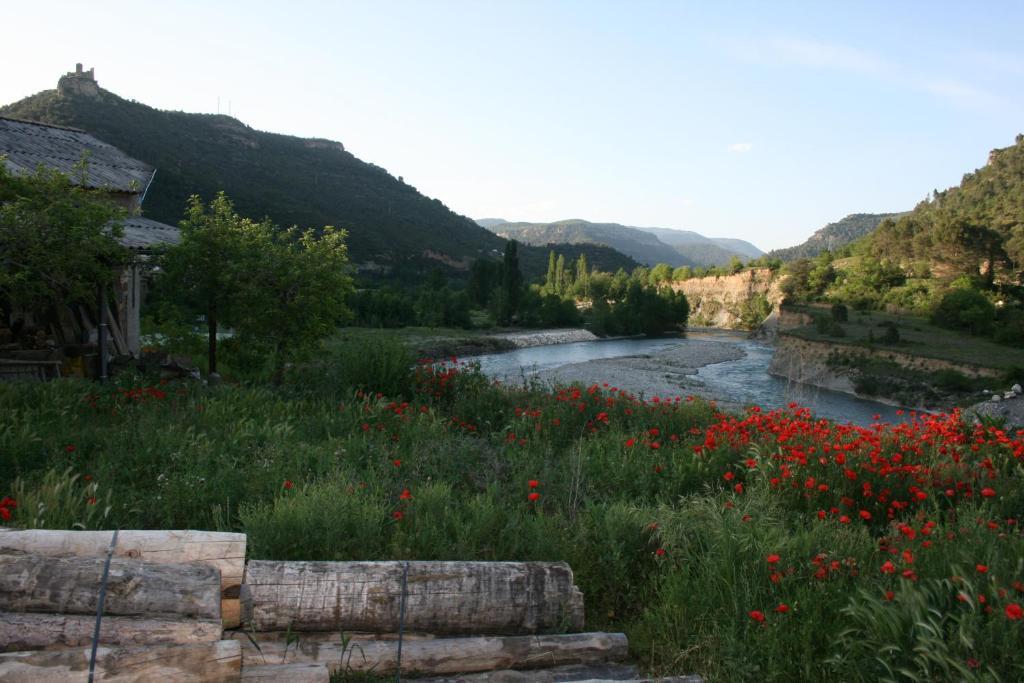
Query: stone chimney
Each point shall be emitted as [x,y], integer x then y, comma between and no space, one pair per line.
[79,82]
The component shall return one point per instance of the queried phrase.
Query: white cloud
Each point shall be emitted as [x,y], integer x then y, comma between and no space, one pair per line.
[741,147]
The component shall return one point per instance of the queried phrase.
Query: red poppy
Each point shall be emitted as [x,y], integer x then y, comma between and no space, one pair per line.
[288,484]
[1014,611]
[782,608]
[70,448]
[865,515]
[660,552]
[533,483]
[988,493]
[533,497]
[889,595]
[630,443]
[398,515]
[405,495]
[982,569]
[396,463]
[757,615]
[772,559]
[888,567]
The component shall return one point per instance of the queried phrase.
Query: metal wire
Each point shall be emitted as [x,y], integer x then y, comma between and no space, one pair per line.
[401,622]
[99,607]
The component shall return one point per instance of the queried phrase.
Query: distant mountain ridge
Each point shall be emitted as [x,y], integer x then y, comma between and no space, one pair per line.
[834,235]
[308,182]
[649,246]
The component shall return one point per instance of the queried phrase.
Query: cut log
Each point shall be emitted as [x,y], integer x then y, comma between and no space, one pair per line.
[293,673]
[217,662]
[442,597]
[43,631]
[224,551]
[434,656]
[558,674]
[71,585]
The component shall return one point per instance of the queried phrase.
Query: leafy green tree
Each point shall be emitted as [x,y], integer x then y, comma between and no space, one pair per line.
[205,271]
[58,240]
[965,309]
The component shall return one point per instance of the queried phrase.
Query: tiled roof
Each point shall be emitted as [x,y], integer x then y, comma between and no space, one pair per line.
[141,234]
[26,145]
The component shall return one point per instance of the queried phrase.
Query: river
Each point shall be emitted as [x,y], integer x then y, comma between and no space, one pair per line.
[744,381]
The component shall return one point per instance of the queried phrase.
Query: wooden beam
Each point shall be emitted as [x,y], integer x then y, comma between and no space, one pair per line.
[29,631]
[433,656]
[70,585]
[292,673]
[222,550]
[217,662]
[442,597]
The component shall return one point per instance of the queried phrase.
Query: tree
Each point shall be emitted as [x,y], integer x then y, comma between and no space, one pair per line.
[58,240]
[281,290]
[511,284]
[296,285]
[205,271]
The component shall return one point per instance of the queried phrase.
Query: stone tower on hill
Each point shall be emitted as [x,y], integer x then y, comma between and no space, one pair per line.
[78,82]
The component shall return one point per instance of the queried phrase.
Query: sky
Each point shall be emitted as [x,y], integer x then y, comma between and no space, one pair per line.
[756,120]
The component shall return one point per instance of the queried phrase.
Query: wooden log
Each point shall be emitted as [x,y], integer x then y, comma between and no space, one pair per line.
[434,656]
[442,597]
[217,662]
[292,673]
[557,674]
[71,585]
[42,631]
[224,551]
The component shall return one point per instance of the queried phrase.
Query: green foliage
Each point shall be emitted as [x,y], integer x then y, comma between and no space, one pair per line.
[60,500]
[58,240]
[965,309]
[833,236]
[754,310]
[840,313]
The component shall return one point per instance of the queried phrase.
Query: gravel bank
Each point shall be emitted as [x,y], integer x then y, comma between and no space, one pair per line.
[543,337]
[666,373]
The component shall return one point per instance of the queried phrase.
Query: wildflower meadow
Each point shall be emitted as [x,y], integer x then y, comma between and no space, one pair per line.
[752,546]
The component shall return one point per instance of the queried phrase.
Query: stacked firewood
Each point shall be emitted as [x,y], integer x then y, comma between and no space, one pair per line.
[170,595]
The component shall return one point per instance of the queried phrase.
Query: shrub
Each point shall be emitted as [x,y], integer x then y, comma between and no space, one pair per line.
[840,313]
[965,309]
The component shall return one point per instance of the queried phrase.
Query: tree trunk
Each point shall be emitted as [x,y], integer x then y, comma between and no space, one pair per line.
[221,550]
[434,656]
[211,322]
[45,631]
[442,597]
[292,673]
[32,583]
[217,662]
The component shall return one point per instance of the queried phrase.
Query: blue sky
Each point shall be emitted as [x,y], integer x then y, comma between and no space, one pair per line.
[760,120]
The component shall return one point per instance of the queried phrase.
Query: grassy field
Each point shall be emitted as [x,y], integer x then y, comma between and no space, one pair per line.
[916,336]
[767,547]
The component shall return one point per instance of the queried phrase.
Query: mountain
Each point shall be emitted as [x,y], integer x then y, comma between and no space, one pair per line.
[974,228]
[834,235]
[706,251]
[647,245]
[308,182]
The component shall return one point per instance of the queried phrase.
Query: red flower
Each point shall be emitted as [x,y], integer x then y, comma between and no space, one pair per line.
[396,463]
[728,476]
[844,520]
[1014,611]
[738,488]
[398,515]
[782,608]
[630,443]
[865,515]
[982,568]
[888,567]
[288,484]
[757,615]
[5,514]
[70,448]
[533,483]
[772,559]
[660,552]
[988,493]
[533,497]
[889,595]
[405,495]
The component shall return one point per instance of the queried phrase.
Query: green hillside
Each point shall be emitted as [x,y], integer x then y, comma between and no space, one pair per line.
[834,236]
[301,181]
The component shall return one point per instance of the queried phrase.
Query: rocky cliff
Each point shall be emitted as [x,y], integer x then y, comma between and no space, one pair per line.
[739,301]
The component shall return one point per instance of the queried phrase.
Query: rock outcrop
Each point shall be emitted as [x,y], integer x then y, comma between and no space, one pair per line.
[729,300]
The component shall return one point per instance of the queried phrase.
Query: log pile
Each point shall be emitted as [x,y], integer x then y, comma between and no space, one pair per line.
[171,594]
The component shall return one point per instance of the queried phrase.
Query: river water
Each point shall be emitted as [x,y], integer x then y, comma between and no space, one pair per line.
[744,381]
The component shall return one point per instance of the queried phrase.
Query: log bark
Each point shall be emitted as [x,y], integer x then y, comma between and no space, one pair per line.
[19,632]
[435,656]
[558,674]
[224,551]
[217,662]
[442,597]
[292,673]
[71,585]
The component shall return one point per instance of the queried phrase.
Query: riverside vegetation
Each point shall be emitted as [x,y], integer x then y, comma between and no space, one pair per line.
[761,546]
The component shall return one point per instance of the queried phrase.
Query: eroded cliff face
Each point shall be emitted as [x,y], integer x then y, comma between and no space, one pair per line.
[730,300]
